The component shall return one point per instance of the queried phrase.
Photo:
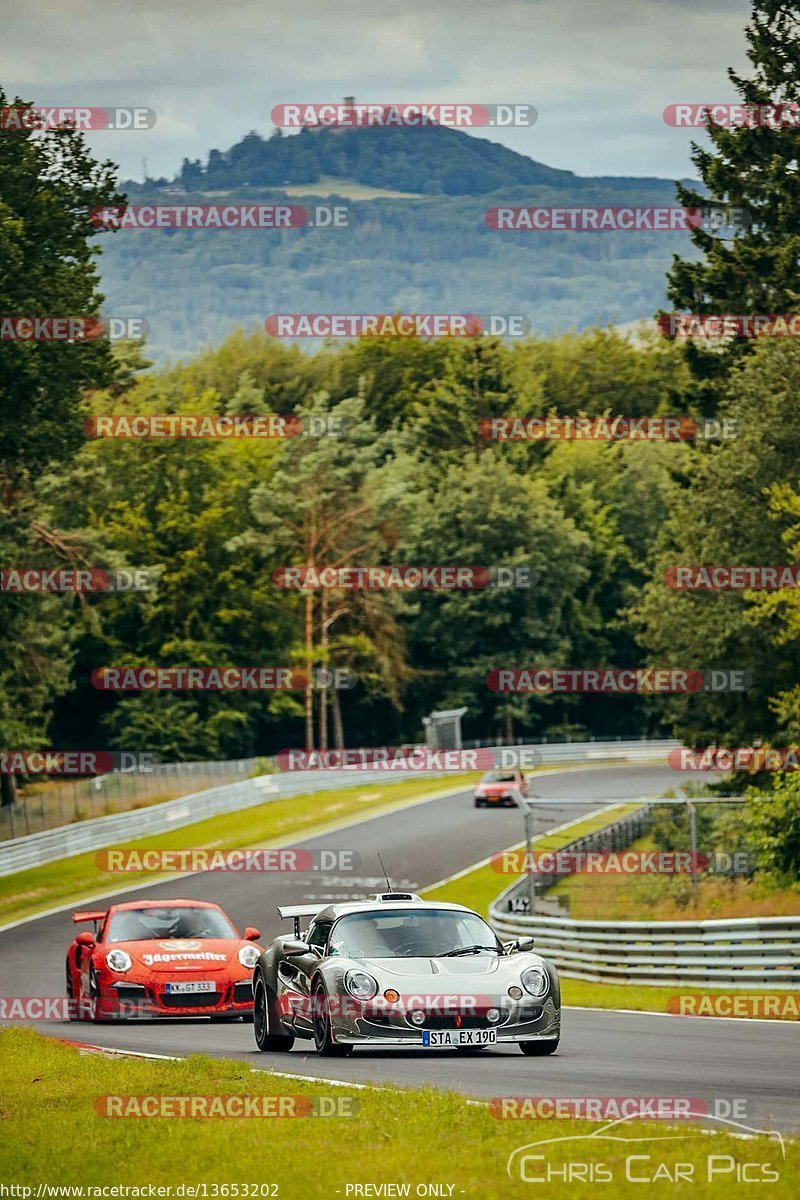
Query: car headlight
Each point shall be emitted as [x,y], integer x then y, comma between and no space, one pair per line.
[535,980]
[249,956]
[119,960]
[360,985]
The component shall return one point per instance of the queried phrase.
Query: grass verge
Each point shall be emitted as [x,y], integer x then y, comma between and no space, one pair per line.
[53,1134]
[483,884]
[584,994]
[480,886]
[671,897]
[39,888]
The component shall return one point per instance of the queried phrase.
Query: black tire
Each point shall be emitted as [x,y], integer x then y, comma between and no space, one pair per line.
[261,1022]
[323,1037]
[479,804]
[539,1049]
[94,991]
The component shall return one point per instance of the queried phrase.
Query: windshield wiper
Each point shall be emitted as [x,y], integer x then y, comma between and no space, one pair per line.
[467,950]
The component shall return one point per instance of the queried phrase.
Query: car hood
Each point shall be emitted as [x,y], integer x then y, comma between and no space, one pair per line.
[472,965]
[496,789]
[191,954]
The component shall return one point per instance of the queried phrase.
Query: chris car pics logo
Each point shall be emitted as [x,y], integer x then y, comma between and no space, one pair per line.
[616,1153]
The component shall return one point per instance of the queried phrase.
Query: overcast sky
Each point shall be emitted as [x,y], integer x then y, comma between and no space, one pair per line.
[600,72]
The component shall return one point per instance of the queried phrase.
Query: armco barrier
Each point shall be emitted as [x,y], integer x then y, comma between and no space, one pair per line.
[745,952]
[748,952]
[83,836]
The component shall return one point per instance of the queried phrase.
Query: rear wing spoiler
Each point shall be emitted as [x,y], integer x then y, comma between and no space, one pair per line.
[293,912]
[97,917]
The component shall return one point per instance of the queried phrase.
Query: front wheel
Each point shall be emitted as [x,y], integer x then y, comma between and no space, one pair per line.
[538,1049]
[264,1039]
[323,1034]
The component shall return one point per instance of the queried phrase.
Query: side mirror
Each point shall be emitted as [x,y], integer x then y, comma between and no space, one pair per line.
[519,946]
[86,939]
[293,947]
[251,934]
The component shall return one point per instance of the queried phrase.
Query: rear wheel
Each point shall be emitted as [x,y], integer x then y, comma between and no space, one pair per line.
[94,1014]
[73,1013]
[538,1049]
[261,1022]
[323,1035]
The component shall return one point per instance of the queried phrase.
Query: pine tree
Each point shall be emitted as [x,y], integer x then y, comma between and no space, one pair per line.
[755,167]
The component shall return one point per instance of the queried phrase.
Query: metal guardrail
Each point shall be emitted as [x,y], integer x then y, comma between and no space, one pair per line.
[760,952]
[57,801]
[83,836]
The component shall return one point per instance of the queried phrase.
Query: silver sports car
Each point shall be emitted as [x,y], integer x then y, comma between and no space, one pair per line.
[394,970]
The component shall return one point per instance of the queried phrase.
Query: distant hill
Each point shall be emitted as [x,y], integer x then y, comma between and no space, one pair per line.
[431,160]
[432,252]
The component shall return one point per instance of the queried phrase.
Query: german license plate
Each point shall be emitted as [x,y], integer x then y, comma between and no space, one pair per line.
[189,986]
[459,1037]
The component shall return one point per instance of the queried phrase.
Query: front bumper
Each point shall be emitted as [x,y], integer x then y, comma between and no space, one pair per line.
[527,1020]
[133,1001]
[506,801]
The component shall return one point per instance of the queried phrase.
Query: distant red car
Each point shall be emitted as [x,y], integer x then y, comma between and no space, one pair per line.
[147,958]
[497,786]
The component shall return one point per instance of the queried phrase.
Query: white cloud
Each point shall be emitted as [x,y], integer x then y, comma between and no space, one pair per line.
[600,72]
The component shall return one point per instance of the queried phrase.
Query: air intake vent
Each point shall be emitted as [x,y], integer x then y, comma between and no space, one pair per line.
[394,896]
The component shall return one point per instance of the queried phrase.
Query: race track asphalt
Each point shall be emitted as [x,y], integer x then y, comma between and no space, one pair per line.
[601,1053]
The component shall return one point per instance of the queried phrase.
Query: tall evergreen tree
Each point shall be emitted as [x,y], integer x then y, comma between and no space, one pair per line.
[755,167]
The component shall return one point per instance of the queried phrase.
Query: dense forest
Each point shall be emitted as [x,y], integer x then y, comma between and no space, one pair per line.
[433,160]
[433,253]
[600,525]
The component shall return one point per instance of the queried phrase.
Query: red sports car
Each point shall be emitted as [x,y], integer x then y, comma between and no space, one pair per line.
[148,958]
[497,787]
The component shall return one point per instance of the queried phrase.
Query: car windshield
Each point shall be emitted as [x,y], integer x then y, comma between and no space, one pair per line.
[144,924]
[410,933]
[499,777]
